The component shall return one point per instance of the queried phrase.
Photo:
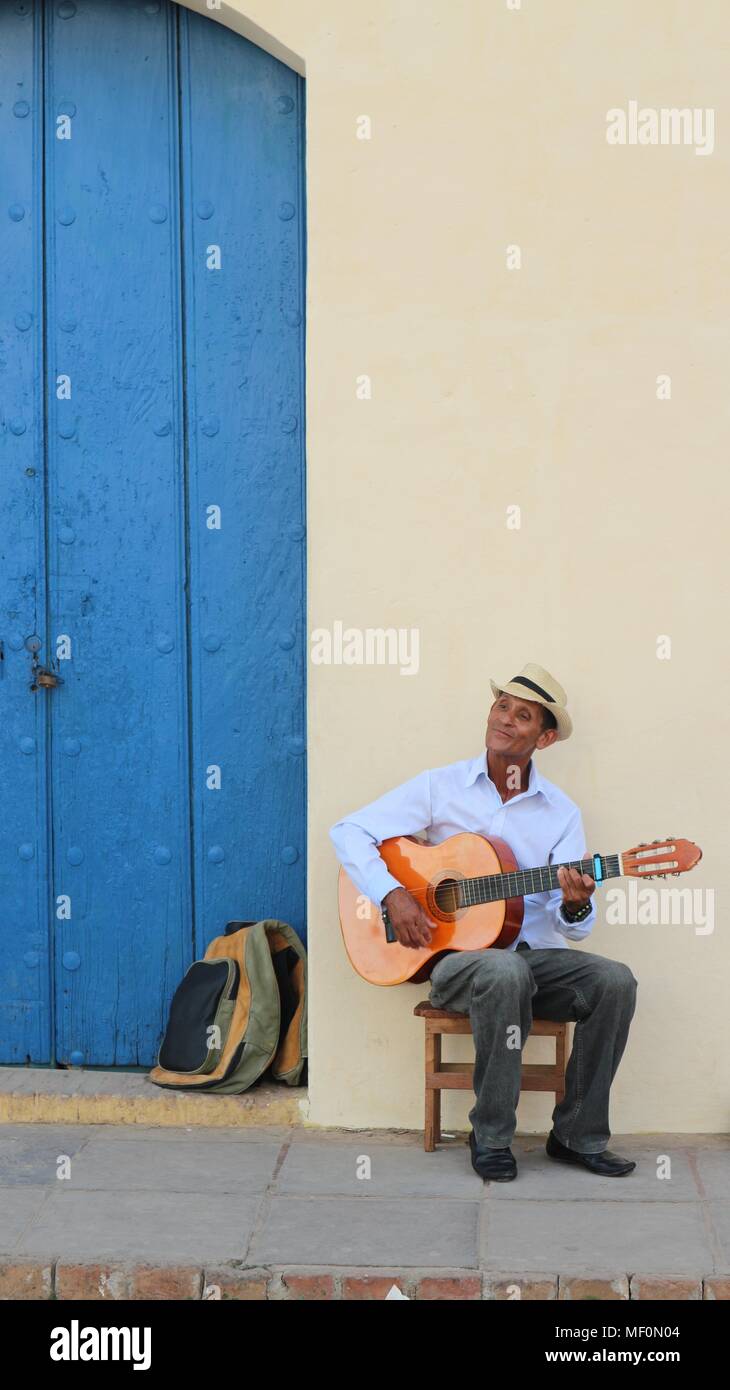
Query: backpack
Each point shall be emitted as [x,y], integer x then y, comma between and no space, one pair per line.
[239,1010]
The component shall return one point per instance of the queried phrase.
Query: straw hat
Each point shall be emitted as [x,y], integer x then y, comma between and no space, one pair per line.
[535,683]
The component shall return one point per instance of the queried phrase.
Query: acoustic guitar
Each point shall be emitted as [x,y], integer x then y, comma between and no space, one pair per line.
[472,888]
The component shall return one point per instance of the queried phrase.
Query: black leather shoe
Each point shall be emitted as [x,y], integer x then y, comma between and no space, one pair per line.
[607,1164]
[494,1165]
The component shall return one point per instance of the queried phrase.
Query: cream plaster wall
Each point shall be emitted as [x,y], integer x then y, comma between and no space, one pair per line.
[534,387]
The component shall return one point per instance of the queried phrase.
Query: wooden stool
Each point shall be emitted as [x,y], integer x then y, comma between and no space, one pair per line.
[458,1076]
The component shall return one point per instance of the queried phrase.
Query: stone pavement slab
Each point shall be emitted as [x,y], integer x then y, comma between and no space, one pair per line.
[146,1163]
[653,1180]
[159,1225]
[720,1212]
[17,1210]
[29,1156]
[368,1231]
[713,1172]
[367,1166]
[599,1238]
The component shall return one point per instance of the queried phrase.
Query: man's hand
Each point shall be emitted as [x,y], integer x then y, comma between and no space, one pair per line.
[411,924]
[577,888]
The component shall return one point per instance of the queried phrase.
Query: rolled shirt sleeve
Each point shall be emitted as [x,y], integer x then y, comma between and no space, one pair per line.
[570,846]
[403,811]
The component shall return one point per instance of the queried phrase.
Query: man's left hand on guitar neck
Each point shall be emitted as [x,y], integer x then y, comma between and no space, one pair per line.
[577,889]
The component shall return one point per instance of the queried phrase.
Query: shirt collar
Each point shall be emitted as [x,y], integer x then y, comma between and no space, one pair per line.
[478,768]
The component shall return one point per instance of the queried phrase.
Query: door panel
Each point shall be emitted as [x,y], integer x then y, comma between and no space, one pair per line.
[245,439]
[116,527]
[25,964]
[170,533]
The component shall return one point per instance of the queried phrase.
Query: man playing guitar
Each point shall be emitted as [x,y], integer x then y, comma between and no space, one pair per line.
[501,793]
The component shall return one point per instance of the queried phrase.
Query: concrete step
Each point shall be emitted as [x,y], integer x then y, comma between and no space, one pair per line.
[44,1095]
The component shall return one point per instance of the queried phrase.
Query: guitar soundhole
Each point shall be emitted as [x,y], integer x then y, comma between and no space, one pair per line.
[446,896]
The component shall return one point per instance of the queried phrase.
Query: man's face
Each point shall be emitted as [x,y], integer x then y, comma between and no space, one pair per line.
[514,727]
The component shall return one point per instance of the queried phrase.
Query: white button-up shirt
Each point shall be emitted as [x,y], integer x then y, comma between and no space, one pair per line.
[541,826]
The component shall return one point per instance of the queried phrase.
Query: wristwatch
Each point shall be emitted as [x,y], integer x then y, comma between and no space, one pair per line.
[578,916]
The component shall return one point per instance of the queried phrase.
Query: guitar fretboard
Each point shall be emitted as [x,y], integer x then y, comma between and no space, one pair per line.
[493,888]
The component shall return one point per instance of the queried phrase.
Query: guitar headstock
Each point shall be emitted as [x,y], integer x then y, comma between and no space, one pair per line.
[660,859]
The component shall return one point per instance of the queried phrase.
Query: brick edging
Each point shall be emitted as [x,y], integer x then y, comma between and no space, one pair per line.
[68,1280]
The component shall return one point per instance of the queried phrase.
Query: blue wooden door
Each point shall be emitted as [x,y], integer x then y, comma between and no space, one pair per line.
[152,634]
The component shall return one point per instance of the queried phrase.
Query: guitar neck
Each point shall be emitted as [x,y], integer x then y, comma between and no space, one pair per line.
[493,888]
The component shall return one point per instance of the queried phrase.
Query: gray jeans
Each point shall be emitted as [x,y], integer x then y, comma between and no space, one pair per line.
[502,991]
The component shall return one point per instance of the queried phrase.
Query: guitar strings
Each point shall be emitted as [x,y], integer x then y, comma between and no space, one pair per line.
[484,880]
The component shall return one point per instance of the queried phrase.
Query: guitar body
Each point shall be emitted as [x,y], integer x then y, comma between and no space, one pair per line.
[479,873]
[422,869]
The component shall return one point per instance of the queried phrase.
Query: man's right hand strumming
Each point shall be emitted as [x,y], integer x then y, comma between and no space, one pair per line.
[412,926]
